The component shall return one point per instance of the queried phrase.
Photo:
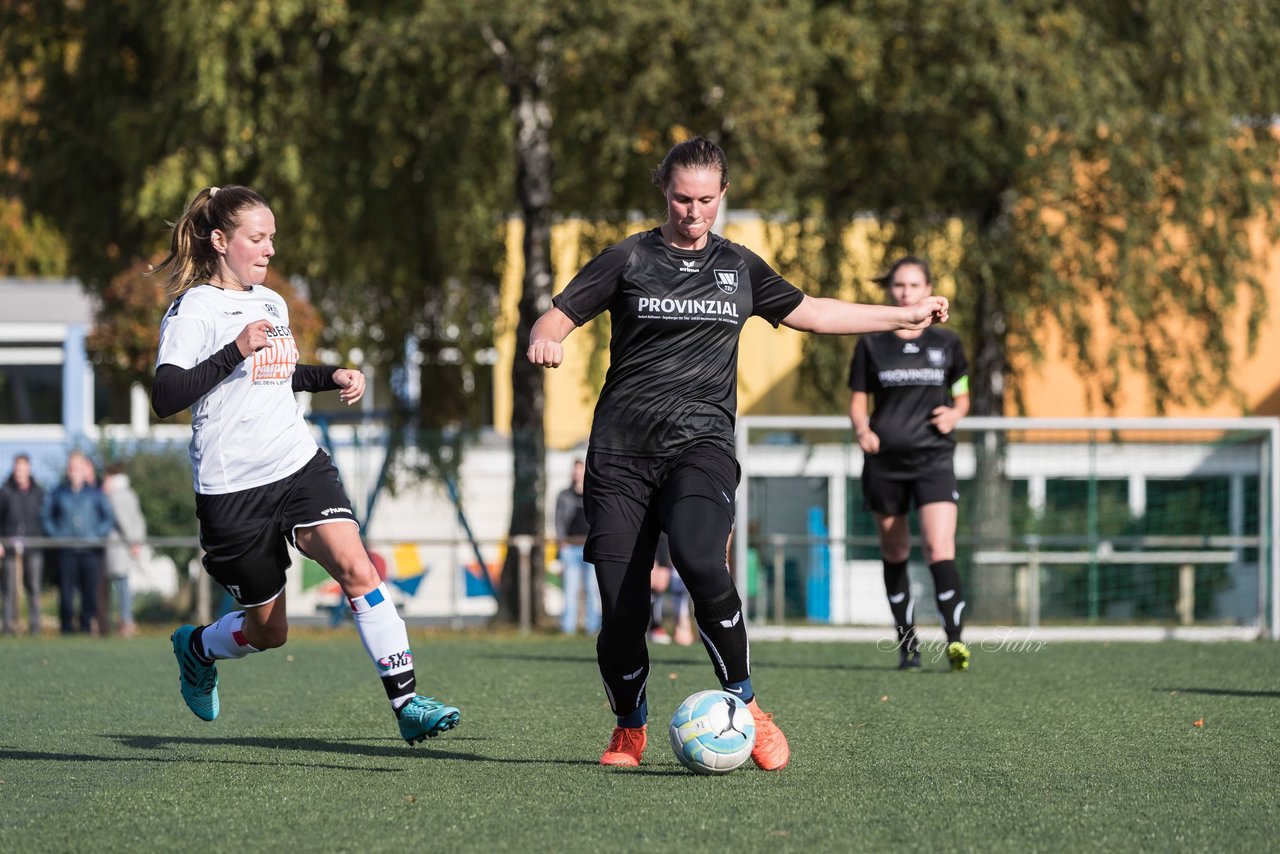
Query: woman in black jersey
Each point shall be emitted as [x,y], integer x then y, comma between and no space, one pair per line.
[661,455]
[919,381]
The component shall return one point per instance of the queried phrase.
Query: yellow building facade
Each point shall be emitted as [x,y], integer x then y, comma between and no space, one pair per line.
[1055,389]
[769,358]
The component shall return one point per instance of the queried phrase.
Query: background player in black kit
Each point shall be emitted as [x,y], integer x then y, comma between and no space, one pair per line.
[919,380]
[661,450]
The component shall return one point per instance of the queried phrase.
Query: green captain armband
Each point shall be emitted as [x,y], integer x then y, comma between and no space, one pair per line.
[960,386]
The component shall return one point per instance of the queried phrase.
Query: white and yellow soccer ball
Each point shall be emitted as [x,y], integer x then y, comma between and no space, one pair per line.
[712,732]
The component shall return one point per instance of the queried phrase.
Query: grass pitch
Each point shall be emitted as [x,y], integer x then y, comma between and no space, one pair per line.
[1067,747]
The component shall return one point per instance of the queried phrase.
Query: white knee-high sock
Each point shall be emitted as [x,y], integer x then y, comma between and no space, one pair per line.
[224,638]
[386,640]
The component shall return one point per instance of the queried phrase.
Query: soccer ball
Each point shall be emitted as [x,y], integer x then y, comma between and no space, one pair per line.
[712,732]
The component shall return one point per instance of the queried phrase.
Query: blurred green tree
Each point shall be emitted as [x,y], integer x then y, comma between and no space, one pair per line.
[1111,161]
[729,74]
[394,141]
[1105,168]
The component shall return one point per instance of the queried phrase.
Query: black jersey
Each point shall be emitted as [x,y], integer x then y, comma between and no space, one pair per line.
[908,379]
[677,314]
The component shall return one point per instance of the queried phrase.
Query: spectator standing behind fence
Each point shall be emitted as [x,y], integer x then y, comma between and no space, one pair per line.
[20,501]
[920,384]
[124,545]
[571,533]
[77,510]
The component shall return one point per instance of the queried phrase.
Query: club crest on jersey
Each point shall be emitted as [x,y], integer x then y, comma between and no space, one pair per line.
[936,356]
[272,310]
[726,280]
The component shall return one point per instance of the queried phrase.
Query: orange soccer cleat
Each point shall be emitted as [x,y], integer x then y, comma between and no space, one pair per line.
[625,747]
[771,751]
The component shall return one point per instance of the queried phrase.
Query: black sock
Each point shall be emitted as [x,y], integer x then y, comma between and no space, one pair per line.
[724,634]
[625,687]
[946,584]
[897,587]
[620,647]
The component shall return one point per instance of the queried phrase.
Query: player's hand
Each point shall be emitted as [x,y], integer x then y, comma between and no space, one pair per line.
[869,442]
[254,337]
[549,354]
[350,385]
[930,310]
[944,419]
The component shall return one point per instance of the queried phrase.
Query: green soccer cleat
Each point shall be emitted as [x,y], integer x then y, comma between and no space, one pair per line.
[958,655]
[425,717]
[199,681]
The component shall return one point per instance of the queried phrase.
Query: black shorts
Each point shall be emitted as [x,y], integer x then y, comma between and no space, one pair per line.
[245,534]
[893,494]
[627,499]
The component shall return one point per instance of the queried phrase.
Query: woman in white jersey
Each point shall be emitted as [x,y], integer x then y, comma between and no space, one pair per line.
[226,351]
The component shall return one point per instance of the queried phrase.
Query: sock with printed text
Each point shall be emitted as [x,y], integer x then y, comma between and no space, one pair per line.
[386,639]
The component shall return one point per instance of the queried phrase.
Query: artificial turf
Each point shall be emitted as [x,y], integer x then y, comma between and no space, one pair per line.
[1064,746]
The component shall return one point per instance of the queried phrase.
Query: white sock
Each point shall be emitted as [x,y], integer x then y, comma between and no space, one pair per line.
[224,638]
[386,640]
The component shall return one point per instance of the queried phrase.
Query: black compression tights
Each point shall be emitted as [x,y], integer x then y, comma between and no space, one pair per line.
[698,529]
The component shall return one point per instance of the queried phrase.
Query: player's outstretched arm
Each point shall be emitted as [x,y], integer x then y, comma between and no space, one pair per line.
[836,317]
[544,339]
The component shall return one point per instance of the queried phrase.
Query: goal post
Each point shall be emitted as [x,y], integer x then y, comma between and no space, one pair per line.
[1066,521]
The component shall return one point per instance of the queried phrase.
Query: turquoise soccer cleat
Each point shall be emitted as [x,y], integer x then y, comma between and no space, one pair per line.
[199,681]
[425,717]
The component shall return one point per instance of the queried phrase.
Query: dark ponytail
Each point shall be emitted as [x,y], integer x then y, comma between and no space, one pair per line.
[191,252]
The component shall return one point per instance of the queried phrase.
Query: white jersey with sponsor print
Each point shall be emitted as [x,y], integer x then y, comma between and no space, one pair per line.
[249,429]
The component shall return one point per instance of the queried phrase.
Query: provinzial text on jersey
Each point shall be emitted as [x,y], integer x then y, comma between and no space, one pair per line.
[685,307]
[912,376]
